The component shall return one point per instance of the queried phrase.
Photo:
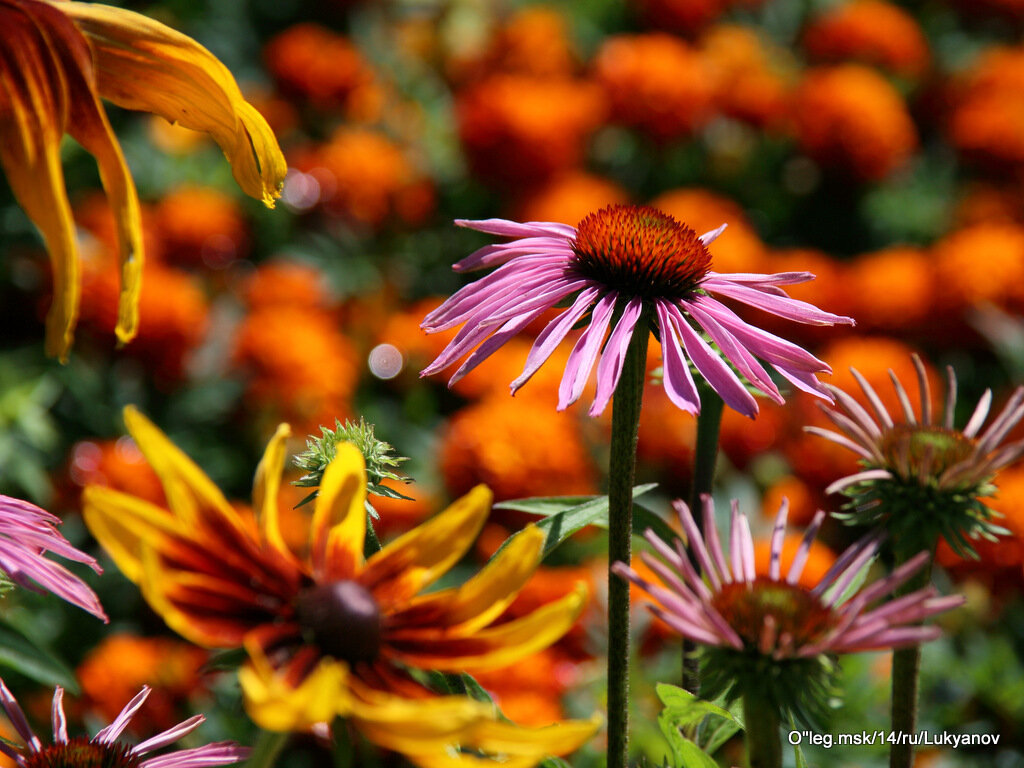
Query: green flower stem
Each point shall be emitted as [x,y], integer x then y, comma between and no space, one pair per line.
[625,425]
[705,457]
[371,544]
[761,726]
[906,668]
[268,747]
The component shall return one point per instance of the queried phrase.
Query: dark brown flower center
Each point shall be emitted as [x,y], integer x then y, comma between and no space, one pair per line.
[640,251]
[908,447]
[789,615]
[343,619]
[82,753]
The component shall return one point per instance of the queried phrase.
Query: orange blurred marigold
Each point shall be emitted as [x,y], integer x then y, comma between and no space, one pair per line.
[533,41]
[286,283]
[528,450]
[570,198]
[850,118]
[962,284]
[316,63]
[114,670]
[202,226]
[521,130]
[987,121]
[1008,551]
[871,31]
[819,559]
[753,80]
[366,177]
[117,464]
[655,83]
[173,313]
[301,368]
[803,501]
[869,284]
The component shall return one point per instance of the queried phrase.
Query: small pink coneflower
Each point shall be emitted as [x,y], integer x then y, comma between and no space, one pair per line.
[26,534]
[769,636]
[104,750]
[922,478]
[627,267]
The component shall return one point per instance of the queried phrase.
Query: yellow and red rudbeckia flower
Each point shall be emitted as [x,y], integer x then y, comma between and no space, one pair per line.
[328,631]
[57,61]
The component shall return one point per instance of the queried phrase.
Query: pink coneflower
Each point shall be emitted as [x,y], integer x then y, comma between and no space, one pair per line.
[922,478]
[104,750]
[627,266]
[26,534]
[769,631]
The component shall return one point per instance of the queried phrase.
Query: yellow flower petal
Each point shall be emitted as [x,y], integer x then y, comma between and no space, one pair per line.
[489,648]
[191,495]
[482,599]
[124,525]
[142,64]
[276,706]
[558,739]
[265,490]
[417,558]
[339,517]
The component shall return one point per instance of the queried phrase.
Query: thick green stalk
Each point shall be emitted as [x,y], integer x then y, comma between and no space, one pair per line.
[268,747]
[906,667]
[705,457]
[764,741]
[625,424]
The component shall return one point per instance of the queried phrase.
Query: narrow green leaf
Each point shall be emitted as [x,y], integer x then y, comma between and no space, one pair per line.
[19,653]
[686,708]
[643,518]
[801,761]
[569,517]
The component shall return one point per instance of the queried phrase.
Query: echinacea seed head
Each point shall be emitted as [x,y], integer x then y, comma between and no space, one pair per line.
[640,251]
[907,447]
[794,615]
[80,752]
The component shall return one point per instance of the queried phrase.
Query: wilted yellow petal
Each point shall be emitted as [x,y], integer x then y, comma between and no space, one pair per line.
[142,64]
[33,116]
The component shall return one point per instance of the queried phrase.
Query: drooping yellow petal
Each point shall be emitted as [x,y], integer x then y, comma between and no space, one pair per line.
[124,525]
[142,64]
[275,705]
[451,759]
[489,648]
[265,490]
[339,517]
[417,558]
[90,128]
[463,610]
[33,116]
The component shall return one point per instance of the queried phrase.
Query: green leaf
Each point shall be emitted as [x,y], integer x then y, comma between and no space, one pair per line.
[566,515]
[686,708]
[801,761]
[554,762]
[685,753]
[34,661]
[643,518]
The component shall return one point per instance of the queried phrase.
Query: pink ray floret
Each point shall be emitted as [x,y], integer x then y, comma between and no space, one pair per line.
[697,604]
[108,750]
[26,534]
[542,268]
